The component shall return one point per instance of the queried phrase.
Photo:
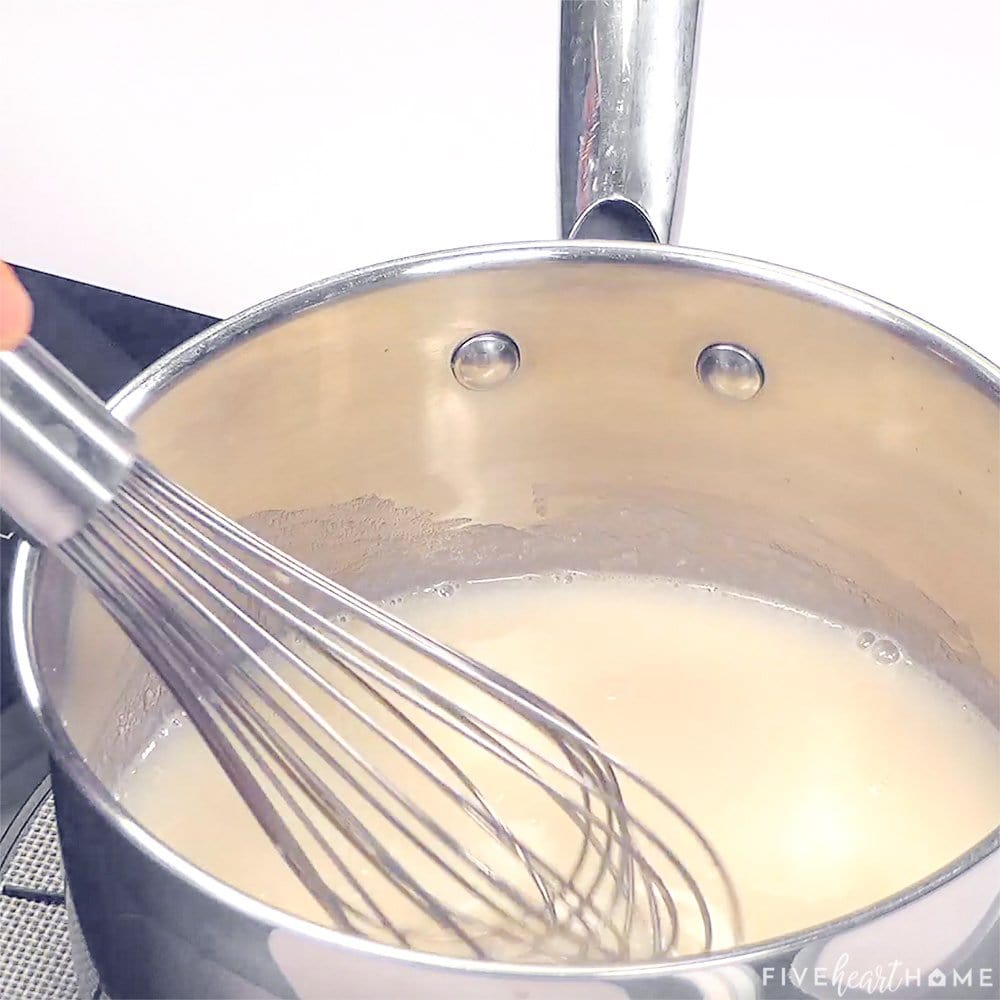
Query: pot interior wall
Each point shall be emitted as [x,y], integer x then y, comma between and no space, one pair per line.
[861,482]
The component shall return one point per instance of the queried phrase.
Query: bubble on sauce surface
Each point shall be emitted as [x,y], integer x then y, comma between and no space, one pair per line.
[885,651]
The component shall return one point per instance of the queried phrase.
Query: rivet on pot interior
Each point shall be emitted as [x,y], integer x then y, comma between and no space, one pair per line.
[730,370]
[485,360]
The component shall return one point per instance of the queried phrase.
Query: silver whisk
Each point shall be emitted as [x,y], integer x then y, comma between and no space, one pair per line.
[422,798]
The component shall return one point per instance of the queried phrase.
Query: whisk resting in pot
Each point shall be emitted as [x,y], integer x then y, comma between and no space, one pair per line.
[422,798]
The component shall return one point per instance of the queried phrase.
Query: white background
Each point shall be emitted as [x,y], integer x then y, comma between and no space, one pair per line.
[210,153]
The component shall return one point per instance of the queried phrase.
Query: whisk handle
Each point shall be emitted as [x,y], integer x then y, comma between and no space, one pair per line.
[63,454]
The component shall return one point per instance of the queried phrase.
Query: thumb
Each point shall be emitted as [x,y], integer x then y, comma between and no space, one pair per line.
[15,309]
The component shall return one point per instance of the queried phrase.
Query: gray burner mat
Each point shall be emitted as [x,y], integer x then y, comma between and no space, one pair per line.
[35,962]
[35,863]
[35,958]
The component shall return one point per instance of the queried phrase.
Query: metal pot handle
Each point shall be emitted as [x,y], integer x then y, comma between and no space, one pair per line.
[625,79]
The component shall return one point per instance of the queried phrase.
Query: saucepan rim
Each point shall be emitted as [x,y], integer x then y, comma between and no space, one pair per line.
[979,372]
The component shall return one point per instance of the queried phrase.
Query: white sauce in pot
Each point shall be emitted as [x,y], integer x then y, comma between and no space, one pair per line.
[827,770]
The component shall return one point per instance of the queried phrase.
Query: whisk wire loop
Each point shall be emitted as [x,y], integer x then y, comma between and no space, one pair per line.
[380,762]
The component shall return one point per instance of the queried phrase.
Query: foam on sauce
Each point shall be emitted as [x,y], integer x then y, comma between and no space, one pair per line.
[827,769]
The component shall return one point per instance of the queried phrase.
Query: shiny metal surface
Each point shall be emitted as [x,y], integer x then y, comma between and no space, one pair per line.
[730,370]
[485,360]
[875,430]
[626,70]
[63,454]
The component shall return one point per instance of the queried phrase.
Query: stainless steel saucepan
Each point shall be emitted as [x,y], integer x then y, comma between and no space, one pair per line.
[610,404]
